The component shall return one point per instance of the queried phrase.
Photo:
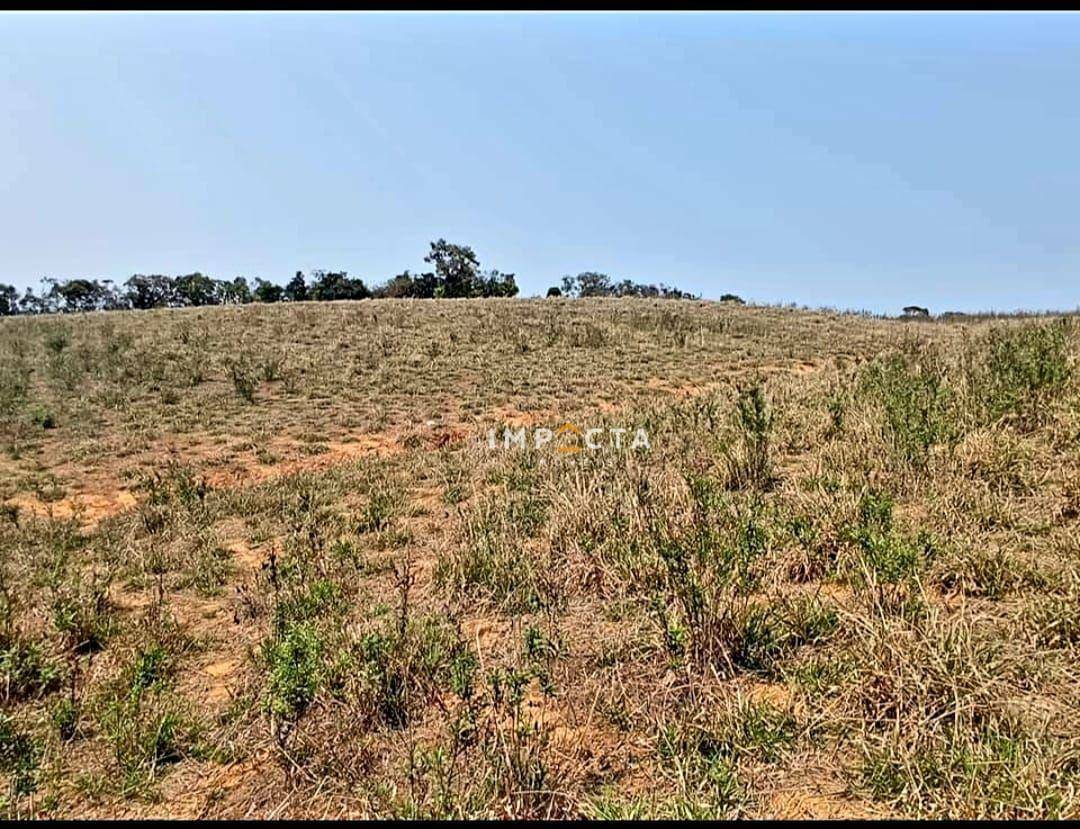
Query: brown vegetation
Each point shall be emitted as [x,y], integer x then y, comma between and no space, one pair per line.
[260,561]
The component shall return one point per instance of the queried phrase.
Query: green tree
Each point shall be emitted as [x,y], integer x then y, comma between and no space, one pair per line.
[267,291]
[327,286]
[588,283]
[9,300]
[456,268]
[237,292]
[149,291]
[76,295]
[496,284]
[296,290]
[406,286]
[32,304]
[195,289]
[593,284]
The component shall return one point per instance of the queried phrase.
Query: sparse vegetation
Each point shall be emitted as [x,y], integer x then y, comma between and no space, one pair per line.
[261,560]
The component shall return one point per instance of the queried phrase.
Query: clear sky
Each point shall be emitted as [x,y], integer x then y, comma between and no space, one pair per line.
[863,162]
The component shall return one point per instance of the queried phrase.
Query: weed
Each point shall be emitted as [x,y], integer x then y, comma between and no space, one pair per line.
[889,541]
[25,671]
[917,403]
[496,563]
[703,770]
[82,613]
[20,755]
[1016,371]
[749,464]
[244,375]
[294,661]
[402,669]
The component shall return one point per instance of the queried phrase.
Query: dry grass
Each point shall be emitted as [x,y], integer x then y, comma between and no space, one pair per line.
[260,561]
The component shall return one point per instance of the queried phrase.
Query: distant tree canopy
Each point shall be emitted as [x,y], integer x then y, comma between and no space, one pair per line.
[77,294]
[296,290]
[140,292]
[592,284]
[149,291]
[456,273]
[9,301]
[330,285]
[267,291]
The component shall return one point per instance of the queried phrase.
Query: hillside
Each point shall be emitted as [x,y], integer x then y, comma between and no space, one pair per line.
[289,560]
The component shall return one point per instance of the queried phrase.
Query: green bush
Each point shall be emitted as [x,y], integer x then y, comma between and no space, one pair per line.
[400,670]
[318,601]
[919,407]
[496,561]
[891,556]
[1016,371]
[41,416]
[749,463]
[82,613]
[294,661]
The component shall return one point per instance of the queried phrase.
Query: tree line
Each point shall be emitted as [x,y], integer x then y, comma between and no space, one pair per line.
[456,274]
[593,284]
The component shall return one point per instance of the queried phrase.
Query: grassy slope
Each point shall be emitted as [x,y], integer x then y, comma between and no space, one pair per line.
[259,561]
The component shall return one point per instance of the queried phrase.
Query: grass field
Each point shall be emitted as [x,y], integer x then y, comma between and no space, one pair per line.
[261,561]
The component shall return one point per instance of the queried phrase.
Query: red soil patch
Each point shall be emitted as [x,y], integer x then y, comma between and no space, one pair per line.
[87,509]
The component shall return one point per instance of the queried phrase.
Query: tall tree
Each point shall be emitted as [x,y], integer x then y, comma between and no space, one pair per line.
[456,267]
[267,291]
[195,289]
[589,283]
[296,290]
[334,285]
[74,295]
[493,283]
[237,292]
[149,291]
[9,300]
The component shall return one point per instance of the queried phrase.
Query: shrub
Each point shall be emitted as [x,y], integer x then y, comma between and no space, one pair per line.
[752,730]
[147,731]
[317,601]
[383,503]
[890,556]
[994,771]
[25,671]
[245,375]
[82,613]
[14,385]
[294,661]
[65,718]
[210,567]
[704,772]
[20,754]
[749,465]
[41,416]
[1016,371]
[917,404]
[401,670]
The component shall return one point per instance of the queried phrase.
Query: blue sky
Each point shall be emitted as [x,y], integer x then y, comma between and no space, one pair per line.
[863,162]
